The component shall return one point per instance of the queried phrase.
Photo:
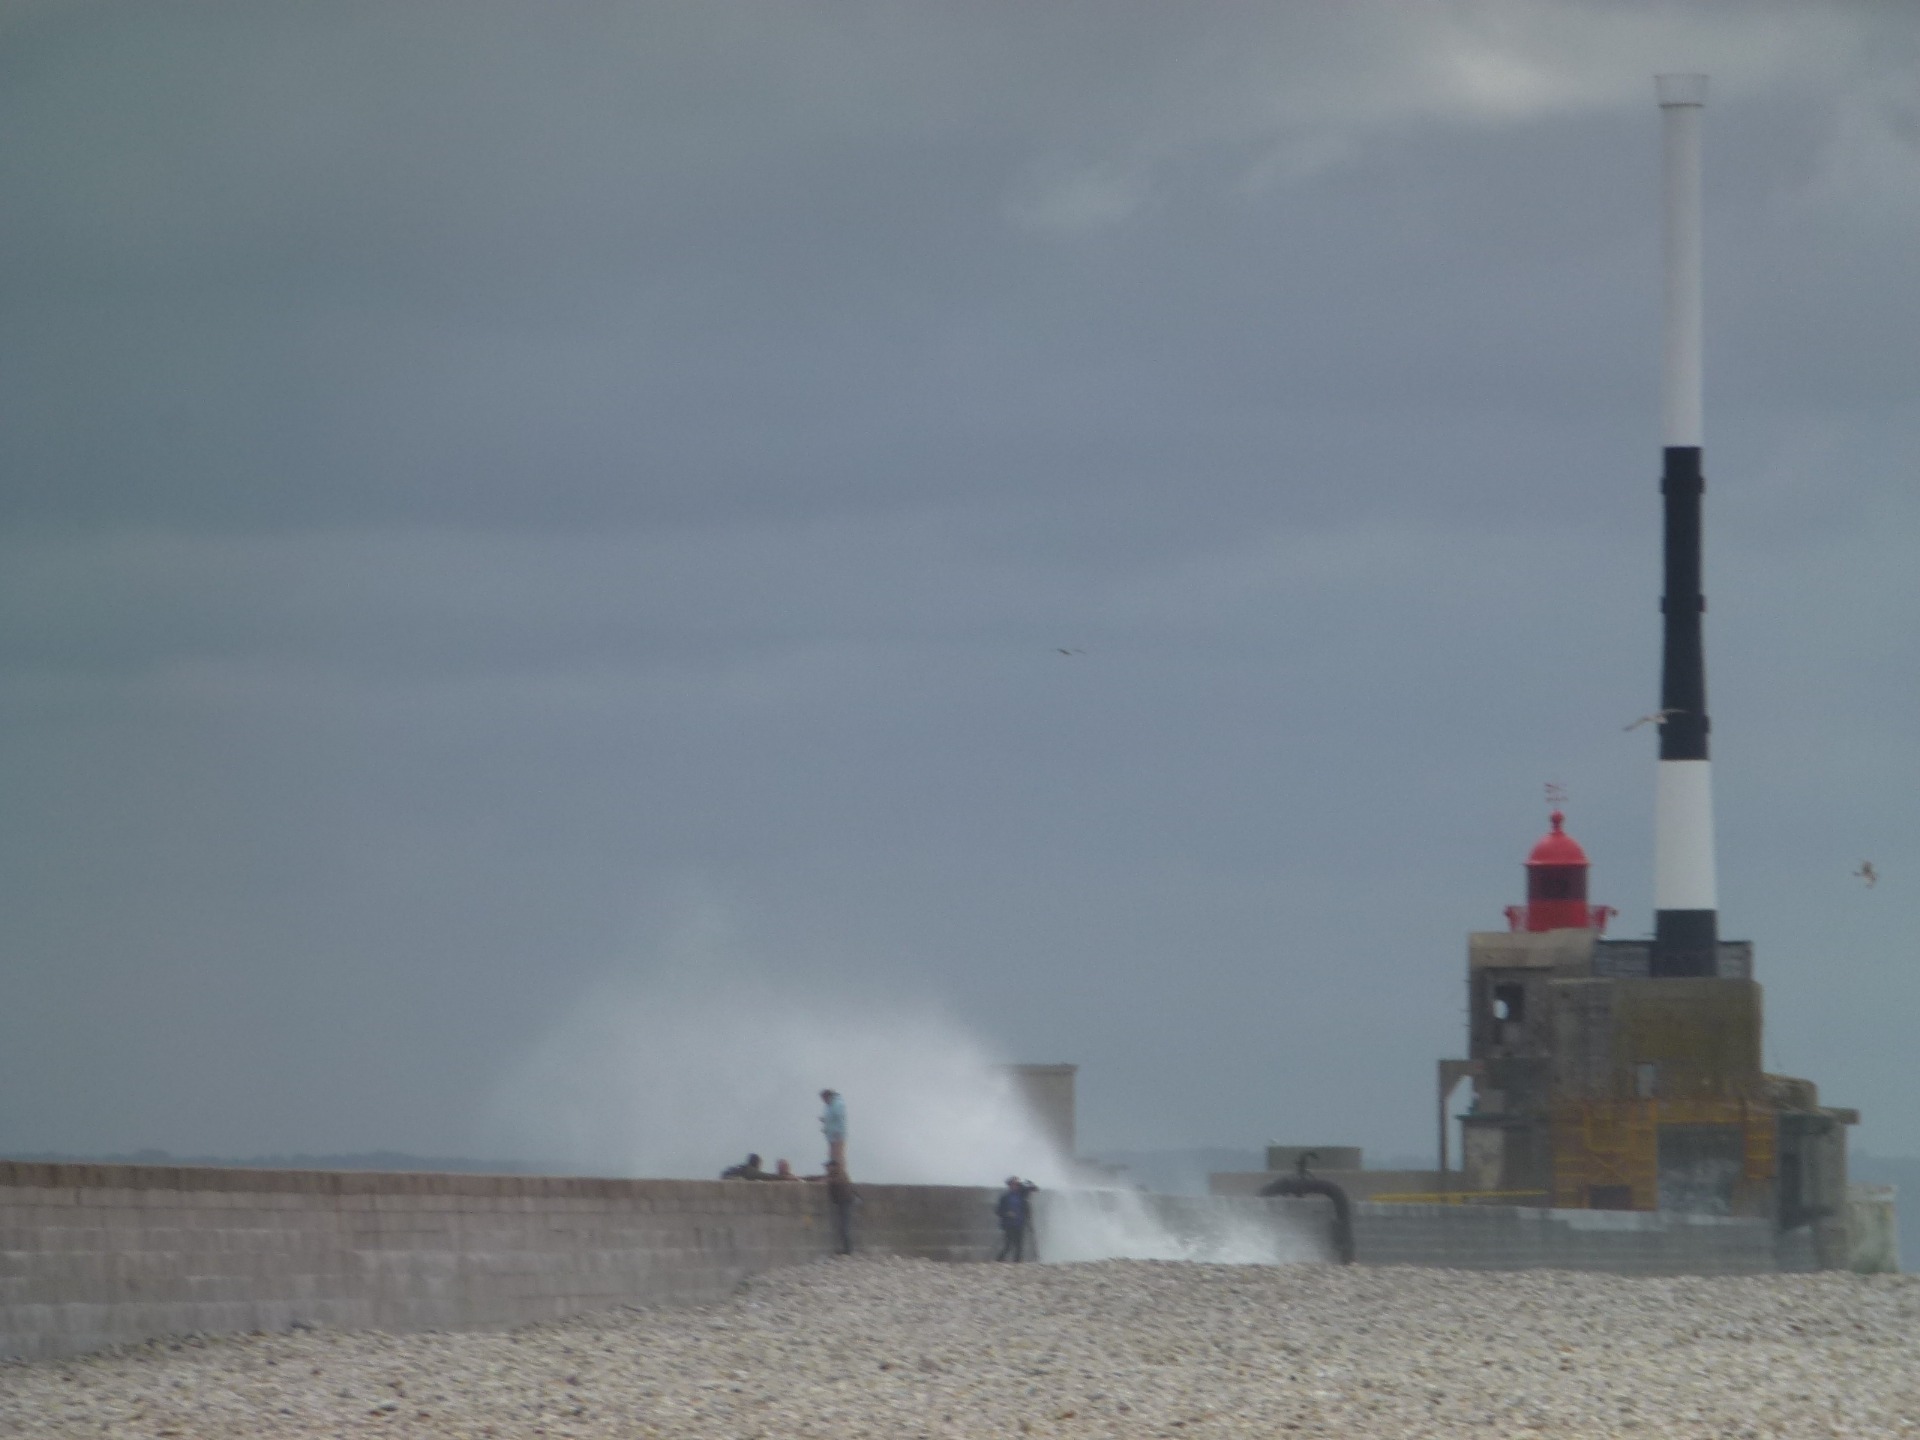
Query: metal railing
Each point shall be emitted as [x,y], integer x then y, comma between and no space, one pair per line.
[1597,917]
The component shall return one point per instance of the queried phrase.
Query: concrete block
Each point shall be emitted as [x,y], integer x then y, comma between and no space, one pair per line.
[16,1196]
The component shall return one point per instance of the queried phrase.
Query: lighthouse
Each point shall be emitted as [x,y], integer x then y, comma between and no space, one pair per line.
[1601,1084]
[1686,919]
[1627,1074]
[1557,886]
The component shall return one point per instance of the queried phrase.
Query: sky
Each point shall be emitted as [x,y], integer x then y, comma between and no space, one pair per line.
[556,552]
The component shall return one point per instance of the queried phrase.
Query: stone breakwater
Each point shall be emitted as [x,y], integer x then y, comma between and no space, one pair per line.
[1114,1348]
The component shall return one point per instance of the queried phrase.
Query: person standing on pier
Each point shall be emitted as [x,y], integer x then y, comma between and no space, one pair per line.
[833,1124]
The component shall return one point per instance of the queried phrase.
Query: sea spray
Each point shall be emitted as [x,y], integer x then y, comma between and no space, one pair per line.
[1120,1224]
[681,1066]
[677,1068]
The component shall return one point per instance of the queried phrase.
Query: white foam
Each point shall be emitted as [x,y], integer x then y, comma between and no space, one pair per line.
[1116,1224]
[689,1060]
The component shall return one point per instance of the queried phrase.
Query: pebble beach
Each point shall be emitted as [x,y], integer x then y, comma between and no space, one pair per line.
[900,1348]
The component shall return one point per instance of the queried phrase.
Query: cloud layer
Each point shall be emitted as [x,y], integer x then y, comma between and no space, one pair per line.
[474,474]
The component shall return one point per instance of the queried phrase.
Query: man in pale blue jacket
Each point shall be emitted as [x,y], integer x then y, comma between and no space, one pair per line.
[833,1124]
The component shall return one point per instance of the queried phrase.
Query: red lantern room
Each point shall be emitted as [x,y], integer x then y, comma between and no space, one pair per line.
[1557,887]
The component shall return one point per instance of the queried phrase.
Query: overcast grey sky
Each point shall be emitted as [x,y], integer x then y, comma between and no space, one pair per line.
[510,505]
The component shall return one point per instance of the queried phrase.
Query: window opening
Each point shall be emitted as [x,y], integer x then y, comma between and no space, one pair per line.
[1510,1002]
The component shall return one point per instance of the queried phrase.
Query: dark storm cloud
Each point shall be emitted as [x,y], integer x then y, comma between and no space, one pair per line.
[312,265]
[477,475]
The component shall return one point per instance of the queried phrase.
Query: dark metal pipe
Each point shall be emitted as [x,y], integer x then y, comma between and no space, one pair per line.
[1305,1184]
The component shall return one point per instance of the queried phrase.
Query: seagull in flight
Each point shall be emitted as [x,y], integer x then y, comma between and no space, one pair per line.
[1064,651]
[1867,873]
[1658,717]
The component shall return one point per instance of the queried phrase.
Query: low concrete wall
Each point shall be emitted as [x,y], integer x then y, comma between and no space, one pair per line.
[1620,1242]
[94,1255]
[1516,1237]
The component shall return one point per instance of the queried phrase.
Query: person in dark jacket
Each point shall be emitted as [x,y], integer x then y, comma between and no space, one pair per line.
[1014,1209]
[748,1170]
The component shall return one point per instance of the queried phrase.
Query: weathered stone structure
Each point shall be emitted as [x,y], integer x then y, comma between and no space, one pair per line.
[1600,1085]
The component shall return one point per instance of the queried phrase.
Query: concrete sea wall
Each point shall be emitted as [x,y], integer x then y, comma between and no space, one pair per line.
[98,1255]
[1620,1242]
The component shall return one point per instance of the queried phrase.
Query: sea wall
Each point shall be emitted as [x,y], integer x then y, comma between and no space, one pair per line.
[95,1255]
[98,1255]
[1621,1242]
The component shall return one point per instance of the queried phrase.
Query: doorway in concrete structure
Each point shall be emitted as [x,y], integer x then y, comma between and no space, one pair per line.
[1456,1095]
[1790,1190]
[1699,1167]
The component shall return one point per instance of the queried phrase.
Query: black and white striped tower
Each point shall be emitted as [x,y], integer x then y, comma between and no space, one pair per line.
[1686,925]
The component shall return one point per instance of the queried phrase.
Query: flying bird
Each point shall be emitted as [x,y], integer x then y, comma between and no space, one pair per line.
[1658,717]
[1064,651]
[1866,872]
